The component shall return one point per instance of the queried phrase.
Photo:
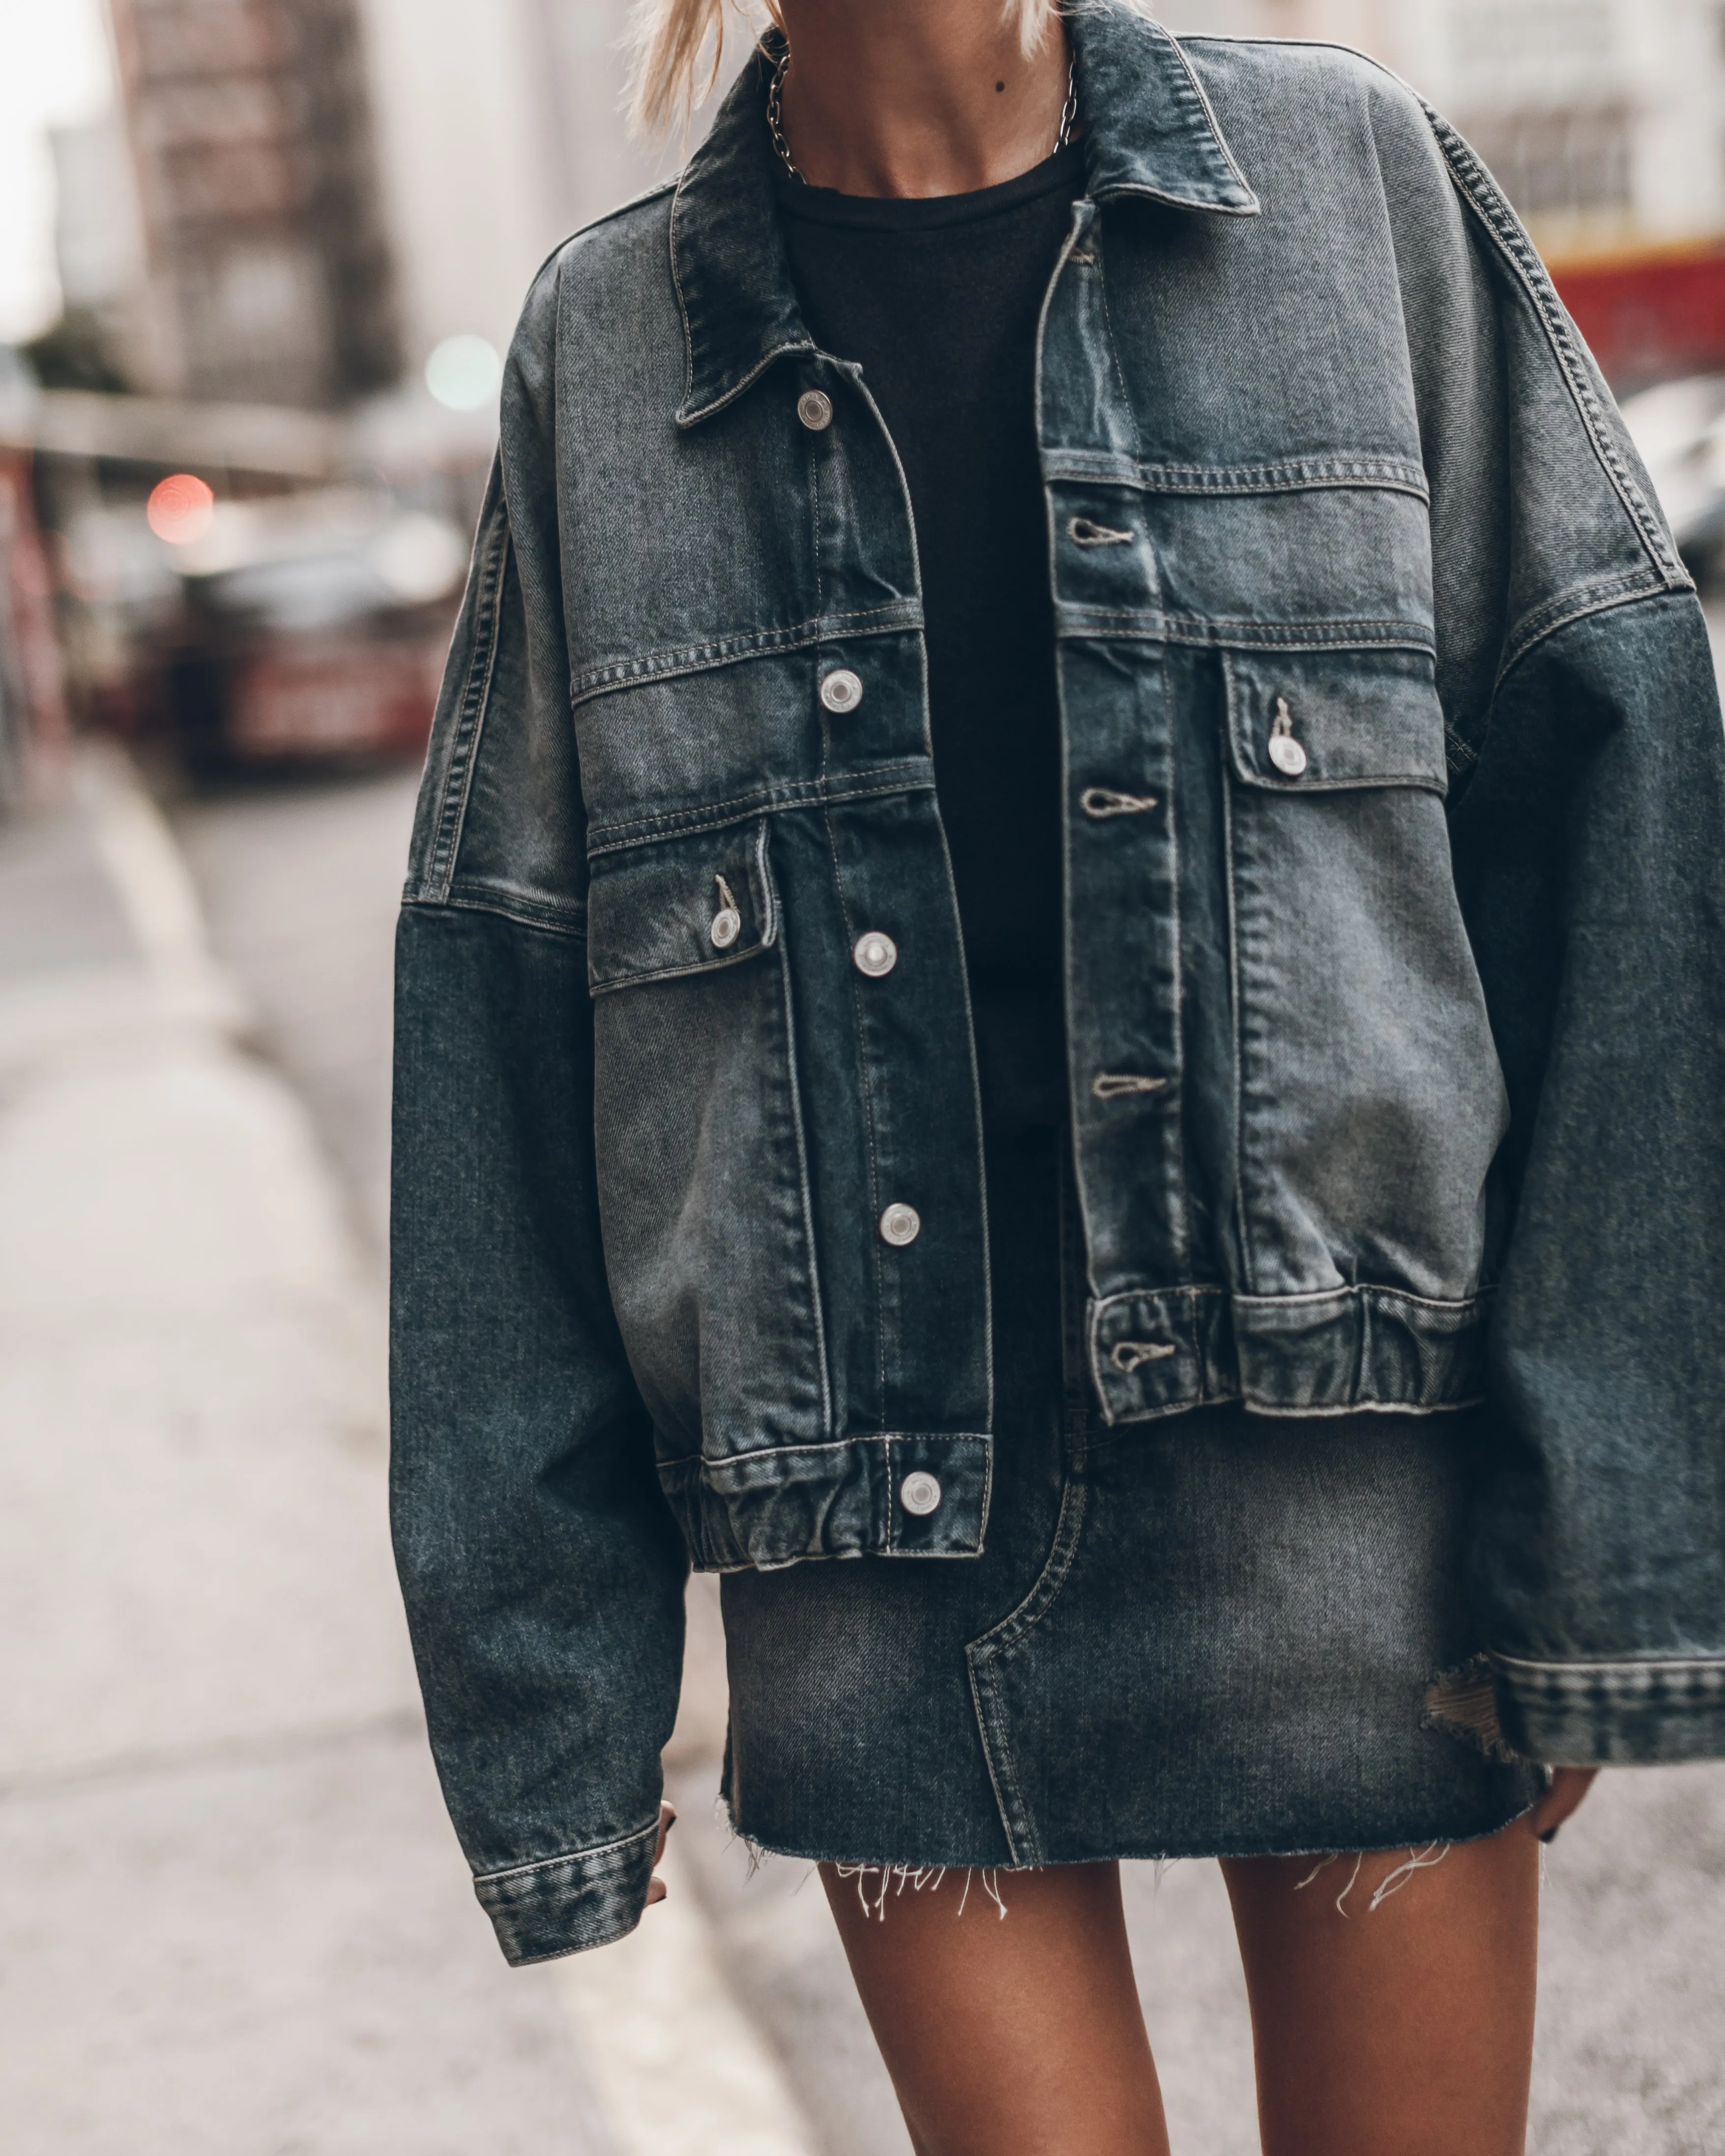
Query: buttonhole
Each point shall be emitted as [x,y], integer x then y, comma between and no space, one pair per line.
[1121,1084]
[1099,801]
[1131,1355]
[1086,532]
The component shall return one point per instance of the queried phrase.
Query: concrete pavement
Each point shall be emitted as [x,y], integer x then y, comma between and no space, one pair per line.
[234,1921]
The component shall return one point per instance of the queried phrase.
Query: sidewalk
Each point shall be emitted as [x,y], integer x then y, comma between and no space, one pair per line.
[234,1921]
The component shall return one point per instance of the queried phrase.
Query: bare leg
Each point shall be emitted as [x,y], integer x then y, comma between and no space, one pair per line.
[1405,2030]
[1020,2038]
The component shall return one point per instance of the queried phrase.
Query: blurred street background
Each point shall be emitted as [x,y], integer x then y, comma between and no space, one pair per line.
[258,261]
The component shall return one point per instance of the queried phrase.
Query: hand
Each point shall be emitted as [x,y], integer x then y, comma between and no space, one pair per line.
[656,1888]
[1569,1786]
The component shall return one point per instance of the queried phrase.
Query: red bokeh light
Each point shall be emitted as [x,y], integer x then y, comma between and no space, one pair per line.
[181,508]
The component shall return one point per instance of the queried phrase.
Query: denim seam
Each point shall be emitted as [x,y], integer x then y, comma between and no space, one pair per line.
[1484,198]
[1561,613]
[611,982]
[831,1444]
[816,1295]
[866,1085]
[522,913]
[1247,1257]
[1291,475]
[896,615]
[574,1857]
[475,702]
[1189,93]
[1072,621]
[809,793]
[1652,1665]
[983,1653]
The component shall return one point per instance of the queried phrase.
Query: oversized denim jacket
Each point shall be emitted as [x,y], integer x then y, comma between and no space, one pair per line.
[1394,796]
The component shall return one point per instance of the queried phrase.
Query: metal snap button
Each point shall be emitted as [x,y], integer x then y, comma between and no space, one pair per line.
[900,1225]
[1285,753]
[920,1493]
[814,408]
[842,691]
[728,921]
[875,955]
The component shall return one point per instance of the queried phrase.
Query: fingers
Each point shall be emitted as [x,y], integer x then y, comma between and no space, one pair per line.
[1569,1785]
[656,1889]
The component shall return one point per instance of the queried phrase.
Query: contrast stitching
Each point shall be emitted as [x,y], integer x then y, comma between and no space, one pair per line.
[869,1129]
[1323,635]
[797,1124]
[836,1444]
[1488,204]
[461,899]
[1292,475]
[896,614]
[572,1856]
[475,700]
[1703,1665]
[984,1653]
[1559,613]
[809,793]
[604,984]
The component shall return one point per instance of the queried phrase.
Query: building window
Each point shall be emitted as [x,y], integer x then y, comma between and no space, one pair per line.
[1560,164]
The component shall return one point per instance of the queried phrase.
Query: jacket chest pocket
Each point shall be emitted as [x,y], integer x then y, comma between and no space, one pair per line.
[680,906]
[699,1143]
[1371,1103]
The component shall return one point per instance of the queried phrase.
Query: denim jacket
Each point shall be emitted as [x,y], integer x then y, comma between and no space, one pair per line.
[1393,795]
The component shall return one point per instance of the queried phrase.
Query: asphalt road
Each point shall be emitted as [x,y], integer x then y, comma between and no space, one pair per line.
[299,885]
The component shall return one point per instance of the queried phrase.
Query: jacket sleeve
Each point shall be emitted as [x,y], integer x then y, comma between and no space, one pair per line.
[542,1570]
[1588,824]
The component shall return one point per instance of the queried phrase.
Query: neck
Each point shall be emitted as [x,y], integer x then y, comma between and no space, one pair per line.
[916,97]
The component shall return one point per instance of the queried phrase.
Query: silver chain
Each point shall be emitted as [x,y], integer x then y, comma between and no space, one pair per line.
[775,111]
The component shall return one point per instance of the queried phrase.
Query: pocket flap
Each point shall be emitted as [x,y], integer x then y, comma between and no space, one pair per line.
[678,905]
[1314,721]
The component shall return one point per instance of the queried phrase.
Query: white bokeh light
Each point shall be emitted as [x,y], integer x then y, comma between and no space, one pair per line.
[465,372]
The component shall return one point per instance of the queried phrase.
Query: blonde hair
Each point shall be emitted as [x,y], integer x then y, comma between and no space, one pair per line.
[679,48]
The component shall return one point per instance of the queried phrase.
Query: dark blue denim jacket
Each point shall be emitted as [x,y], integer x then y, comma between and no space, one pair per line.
[1393,798]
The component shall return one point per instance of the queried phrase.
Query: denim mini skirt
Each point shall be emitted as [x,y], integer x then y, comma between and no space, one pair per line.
[1214,1635]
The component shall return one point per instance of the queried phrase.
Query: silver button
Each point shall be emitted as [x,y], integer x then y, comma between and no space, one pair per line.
[842,691]
[728,921]
[900,1225]
[875,955]
[1287,756]
[1285,753]
[814,408]
[920,1493]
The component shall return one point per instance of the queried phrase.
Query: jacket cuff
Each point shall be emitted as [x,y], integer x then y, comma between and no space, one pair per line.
[568,1903]
[1612,1714]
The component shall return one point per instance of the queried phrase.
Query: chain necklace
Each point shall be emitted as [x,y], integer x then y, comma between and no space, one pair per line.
[775,111]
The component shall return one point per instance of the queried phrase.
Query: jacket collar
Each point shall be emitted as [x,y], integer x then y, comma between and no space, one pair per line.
[1149,131]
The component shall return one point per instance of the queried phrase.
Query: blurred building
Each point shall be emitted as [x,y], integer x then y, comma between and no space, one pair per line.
[302,198]
[1604,121]
[268,268]
[500,131]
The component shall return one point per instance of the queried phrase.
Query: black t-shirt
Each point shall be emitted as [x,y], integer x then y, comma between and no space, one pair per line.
[938,300]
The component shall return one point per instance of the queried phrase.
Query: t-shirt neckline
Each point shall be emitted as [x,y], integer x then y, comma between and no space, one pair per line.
[811,205]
